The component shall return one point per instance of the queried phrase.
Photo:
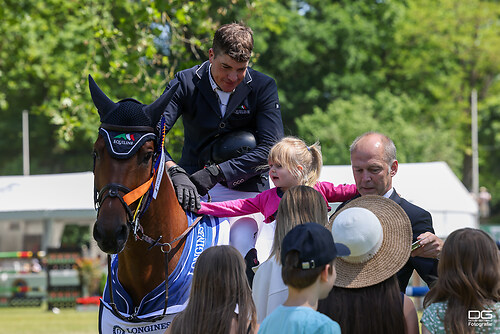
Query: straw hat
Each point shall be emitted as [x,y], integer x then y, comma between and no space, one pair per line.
[378,233]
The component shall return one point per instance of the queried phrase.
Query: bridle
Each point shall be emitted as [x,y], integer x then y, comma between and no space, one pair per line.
[143,193]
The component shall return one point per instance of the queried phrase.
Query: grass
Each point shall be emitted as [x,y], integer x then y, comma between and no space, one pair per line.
[31,320]
[37,320]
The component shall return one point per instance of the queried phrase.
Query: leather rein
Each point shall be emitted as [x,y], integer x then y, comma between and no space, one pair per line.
[113,190]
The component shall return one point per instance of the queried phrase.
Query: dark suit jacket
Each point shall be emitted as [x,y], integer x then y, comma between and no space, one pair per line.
[421,222]
[253,107]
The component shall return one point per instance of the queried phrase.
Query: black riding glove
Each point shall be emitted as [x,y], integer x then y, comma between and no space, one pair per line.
[185,189]
[207,178]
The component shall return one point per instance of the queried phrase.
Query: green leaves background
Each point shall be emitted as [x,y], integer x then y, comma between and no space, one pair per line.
[405,68]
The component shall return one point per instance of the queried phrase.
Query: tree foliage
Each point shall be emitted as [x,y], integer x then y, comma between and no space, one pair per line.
[131,48]
[402,67]
[397,116]
[410,76]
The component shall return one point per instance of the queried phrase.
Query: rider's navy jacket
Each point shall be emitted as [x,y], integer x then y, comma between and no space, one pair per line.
[253,107]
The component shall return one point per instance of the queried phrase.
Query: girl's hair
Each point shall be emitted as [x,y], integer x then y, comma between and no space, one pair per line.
[219,286]
[379,305]
[299,205]
[468,277]
[290,152]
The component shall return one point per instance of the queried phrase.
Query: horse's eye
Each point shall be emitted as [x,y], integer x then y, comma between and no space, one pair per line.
[94,155]
[147,157]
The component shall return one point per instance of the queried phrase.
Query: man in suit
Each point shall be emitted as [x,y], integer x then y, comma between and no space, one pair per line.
[374,164]
[232,117]
[223,103]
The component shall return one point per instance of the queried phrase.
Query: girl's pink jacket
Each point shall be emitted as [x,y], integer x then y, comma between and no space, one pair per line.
[267,201]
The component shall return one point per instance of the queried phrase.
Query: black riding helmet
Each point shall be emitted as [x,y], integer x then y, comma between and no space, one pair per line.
[232,145]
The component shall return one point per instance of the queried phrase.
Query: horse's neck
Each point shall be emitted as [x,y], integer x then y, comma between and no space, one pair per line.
[141,270]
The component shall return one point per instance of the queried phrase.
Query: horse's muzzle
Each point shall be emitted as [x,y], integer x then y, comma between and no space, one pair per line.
[111,242]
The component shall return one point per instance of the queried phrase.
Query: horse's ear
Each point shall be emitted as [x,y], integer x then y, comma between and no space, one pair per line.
[103,103]
[156,109]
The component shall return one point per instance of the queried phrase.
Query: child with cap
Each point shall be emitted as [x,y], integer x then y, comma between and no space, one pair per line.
[308,255]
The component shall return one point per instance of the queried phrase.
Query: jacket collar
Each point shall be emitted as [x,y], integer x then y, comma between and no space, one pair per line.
[240,92]
[203,70]
[395,197]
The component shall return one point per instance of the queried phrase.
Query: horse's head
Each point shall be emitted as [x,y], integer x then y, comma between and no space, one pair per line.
[124,152]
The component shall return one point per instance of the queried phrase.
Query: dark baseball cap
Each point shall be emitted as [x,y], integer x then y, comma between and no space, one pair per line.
[315,245]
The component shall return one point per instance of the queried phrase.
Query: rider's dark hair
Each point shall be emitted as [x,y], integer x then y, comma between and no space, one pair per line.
[235,40]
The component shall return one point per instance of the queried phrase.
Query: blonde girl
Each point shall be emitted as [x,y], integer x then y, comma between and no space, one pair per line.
[220,300]
[291,163]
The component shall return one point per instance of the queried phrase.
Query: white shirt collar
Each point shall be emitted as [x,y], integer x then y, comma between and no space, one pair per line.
[215,87]
[389,193]
[223,96]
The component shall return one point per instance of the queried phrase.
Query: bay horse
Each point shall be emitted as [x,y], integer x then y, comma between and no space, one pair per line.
[139,220]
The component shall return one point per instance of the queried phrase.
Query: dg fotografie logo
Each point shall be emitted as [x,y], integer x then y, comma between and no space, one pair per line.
[476,318]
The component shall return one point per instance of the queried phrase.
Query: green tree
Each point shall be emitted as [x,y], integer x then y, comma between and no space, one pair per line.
[131,48]
[328,50]
[48,48]
[425,57]
[445,49]
[397,116]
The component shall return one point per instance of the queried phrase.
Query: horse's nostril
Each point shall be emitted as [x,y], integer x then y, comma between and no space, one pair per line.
[122,232]
[96,233]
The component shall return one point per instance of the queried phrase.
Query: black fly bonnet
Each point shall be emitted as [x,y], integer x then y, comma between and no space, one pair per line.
[127,124]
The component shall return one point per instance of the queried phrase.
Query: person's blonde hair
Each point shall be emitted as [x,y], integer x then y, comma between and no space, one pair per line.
[299,205]
[290,152]
[219,286]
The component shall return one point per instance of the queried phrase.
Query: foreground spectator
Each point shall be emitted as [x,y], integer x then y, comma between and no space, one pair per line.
[299,205]
[308,255]
[466,296]
[374,164]
[366,296]
[220,299]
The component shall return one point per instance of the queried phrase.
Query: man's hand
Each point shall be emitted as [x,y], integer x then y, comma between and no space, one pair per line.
[430,246]
[185,189]
[206,178]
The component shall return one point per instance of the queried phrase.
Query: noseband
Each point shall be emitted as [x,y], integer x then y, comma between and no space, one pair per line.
[112,190]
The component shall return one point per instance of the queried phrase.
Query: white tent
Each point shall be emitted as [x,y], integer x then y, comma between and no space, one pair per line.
[430,185]
[47,196]
[42,204]
[34,209]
